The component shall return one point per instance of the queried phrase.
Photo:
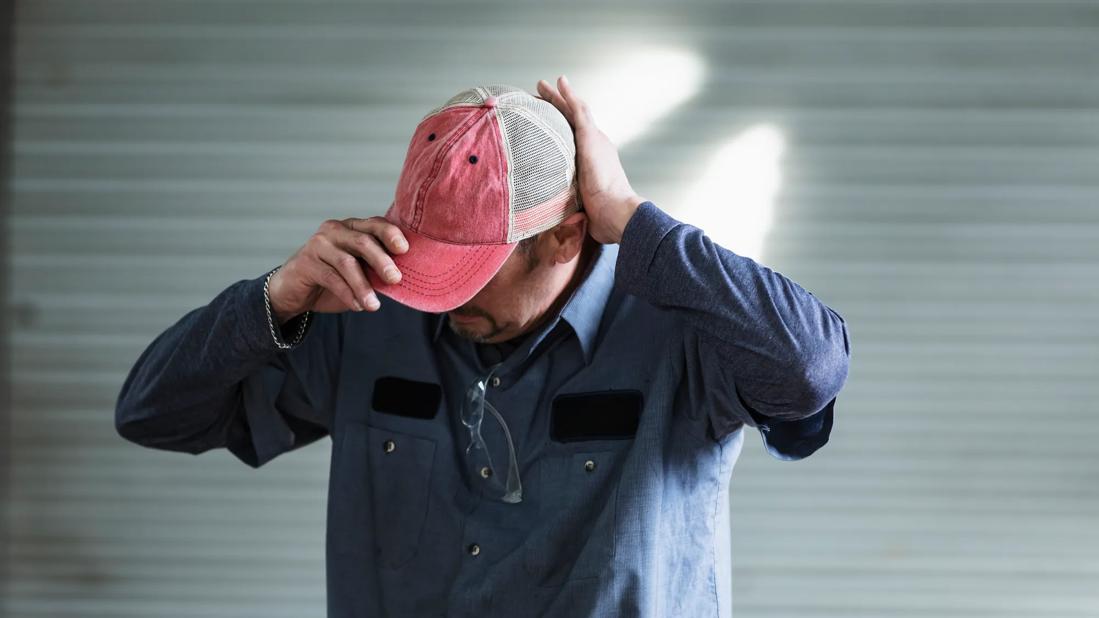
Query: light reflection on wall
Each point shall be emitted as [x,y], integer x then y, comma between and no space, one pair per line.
[733,199]
[632,87]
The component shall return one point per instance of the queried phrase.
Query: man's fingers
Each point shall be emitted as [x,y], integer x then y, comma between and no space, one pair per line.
[347,266]
[365,237]
[369,248]
[551,95]
[581,113]
[391,235]
[331,279]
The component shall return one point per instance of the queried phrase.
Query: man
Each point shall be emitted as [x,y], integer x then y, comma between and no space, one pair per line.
[538,431]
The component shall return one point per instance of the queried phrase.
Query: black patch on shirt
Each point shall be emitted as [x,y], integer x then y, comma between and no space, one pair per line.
[601,415]
[393,395]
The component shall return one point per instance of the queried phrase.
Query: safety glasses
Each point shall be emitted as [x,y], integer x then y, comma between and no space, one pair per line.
[496,483]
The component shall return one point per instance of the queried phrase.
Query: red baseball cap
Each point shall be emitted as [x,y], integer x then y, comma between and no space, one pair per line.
[488,168]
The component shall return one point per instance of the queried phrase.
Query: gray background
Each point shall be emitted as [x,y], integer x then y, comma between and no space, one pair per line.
[939,190]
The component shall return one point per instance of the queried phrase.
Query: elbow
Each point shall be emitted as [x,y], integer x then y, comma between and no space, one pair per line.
[140,421]
[154,424]
[824,376]
[143,416]
[132,410]
[151,428]
[124,413]
[127,421]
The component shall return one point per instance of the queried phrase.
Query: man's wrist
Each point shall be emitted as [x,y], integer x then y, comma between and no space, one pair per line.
[277,323]
[637,270]
[281,315]
[629,206]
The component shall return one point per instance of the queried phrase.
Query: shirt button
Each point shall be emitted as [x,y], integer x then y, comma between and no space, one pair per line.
[486,472]
[589,465]
[496,380]
[473,549]
[389,446]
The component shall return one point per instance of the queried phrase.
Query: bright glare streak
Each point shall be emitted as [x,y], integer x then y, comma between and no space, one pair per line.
[733,201]
[630,89]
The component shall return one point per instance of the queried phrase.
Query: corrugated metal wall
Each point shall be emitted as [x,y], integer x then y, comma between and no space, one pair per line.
[939,190]
[7,45]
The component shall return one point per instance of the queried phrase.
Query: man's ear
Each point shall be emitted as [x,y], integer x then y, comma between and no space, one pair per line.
[569,236]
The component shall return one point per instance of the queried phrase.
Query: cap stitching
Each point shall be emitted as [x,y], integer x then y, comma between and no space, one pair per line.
[463,275]
[461,263]
[508,175]
[438,291]
[437,166]
[464,244]
[504,165]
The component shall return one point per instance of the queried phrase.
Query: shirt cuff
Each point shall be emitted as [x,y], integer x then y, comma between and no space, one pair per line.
[794,440]
[286,333]
[640,239]
[255,328]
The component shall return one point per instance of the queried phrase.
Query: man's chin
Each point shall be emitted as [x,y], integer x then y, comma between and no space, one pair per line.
[469,331]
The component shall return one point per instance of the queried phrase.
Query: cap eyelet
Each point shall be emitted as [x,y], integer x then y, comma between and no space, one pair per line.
[431,138]
[472,158]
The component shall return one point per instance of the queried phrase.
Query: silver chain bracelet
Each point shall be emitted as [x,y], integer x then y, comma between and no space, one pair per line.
[271,319]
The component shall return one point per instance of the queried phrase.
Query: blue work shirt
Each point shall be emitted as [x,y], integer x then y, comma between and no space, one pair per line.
[626,411]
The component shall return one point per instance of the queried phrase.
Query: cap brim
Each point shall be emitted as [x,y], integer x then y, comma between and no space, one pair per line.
[437,276]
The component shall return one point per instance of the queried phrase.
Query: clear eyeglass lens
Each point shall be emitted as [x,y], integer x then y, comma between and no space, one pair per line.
[477,453]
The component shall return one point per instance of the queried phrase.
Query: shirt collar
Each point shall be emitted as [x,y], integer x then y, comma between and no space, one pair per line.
[583,311]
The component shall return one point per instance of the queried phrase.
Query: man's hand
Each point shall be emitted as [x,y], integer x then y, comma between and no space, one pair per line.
[326,274]
[605,192]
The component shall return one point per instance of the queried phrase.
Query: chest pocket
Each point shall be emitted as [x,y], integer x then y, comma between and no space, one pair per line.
[576,537]
[382,480]
[578,486]
[400,477]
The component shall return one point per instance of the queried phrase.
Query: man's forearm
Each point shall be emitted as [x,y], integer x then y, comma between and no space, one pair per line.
[788,351]
[184,388]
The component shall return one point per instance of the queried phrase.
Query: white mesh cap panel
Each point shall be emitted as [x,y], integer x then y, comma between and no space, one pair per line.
[478,94]
[539,167]
[504,90]
[473,96]
[542,162]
